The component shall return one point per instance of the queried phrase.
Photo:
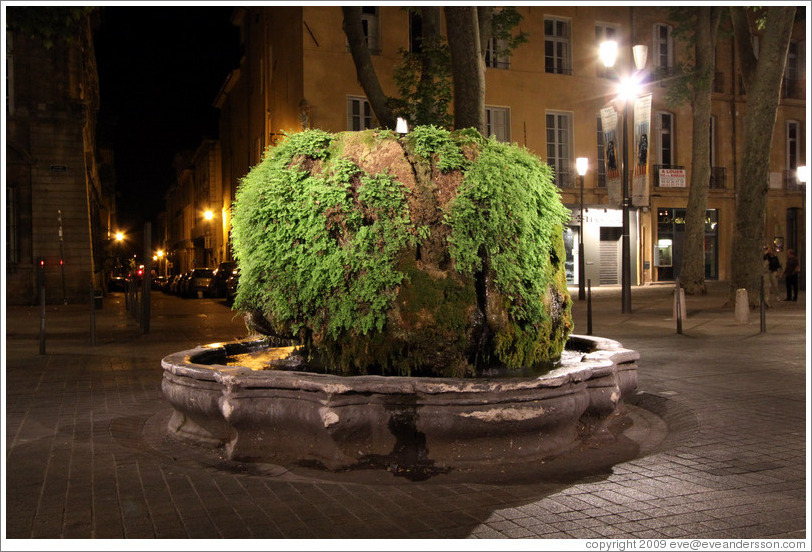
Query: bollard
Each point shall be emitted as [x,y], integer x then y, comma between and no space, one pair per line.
[679,306]
[762,309]
[41,278]
[589,307]
[742,310]
[92,315]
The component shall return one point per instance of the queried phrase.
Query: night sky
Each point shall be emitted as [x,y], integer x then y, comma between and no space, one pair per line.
[160,69]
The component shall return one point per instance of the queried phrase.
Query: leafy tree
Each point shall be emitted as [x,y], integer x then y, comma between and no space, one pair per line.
[698,26]
[467,66]
[363,66]
[425,78]
[762,75]
[49,24]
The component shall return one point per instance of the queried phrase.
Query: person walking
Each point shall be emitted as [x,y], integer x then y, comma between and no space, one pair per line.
[770,276]
[791,275]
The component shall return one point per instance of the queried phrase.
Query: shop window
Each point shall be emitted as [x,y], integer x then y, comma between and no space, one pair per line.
[668,247]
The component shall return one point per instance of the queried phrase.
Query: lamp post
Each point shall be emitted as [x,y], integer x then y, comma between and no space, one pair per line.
[627,90]
[581,164]
[209,216]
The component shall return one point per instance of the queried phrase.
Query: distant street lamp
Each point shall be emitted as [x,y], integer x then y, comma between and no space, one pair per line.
[119,236]
[802,174]
[209,216]
[627,90]
[581,164]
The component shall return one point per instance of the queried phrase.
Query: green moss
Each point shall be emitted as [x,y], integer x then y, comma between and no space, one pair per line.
[439,146]
[331,254]
[507,217]
[318,251]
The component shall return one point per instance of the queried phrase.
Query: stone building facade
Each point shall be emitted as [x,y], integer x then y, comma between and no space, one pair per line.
[296,72]
[57,211]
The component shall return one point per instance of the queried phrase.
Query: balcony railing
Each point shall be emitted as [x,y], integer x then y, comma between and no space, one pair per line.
[718,178]
[793,89]
[791,182]
[719,82]
[565,179]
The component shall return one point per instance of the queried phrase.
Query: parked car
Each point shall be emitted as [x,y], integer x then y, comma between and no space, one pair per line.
[217,287]
[117,283]
[167,287]
[177,284]
[159,282]
[231,286]
[198,283]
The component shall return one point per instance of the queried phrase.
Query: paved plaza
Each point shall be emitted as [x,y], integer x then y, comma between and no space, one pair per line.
[720,416]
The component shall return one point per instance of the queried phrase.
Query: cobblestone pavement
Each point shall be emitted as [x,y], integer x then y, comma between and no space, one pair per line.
[86,457]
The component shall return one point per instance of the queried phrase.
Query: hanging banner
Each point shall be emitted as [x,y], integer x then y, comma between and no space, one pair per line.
[642,126]
[611,154]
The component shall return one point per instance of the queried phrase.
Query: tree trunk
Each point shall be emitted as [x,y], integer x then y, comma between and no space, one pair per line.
[430,39]
[467,67]
[364,68]
[692,271]
[763,91]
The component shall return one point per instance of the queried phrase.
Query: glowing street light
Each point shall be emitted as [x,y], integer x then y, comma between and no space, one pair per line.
[209,214]
[581,164]
[119,236]
[802,174]
[628,90]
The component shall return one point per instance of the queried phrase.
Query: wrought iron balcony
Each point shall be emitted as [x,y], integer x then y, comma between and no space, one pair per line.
[718,178]
[791,182]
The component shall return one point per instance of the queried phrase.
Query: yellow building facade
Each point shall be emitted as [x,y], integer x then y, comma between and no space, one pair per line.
[297,73]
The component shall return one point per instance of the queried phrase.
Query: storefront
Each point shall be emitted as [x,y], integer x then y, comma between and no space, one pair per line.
[670,240]
[603,232]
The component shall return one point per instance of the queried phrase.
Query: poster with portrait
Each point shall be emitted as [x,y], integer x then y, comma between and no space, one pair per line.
[642,128]
[611,152]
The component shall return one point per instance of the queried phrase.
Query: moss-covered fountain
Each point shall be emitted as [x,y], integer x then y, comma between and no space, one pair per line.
[408,307]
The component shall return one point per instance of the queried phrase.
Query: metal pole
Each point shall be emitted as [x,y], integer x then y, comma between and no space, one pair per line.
[626,292]
[581,274]
[92,315]
[762,308]
[589,308]
[62,257]
[147,280]
[41,278]
[679,307]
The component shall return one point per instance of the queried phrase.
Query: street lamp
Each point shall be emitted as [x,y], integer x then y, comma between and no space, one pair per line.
[581,164]
[627,90]
[209,216]
[802,174]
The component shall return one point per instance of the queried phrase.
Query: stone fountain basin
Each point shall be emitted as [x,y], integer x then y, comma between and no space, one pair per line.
[295,418]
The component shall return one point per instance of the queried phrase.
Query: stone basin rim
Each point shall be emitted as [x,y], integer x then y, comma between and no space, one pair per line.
[605,356]
[339,422]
